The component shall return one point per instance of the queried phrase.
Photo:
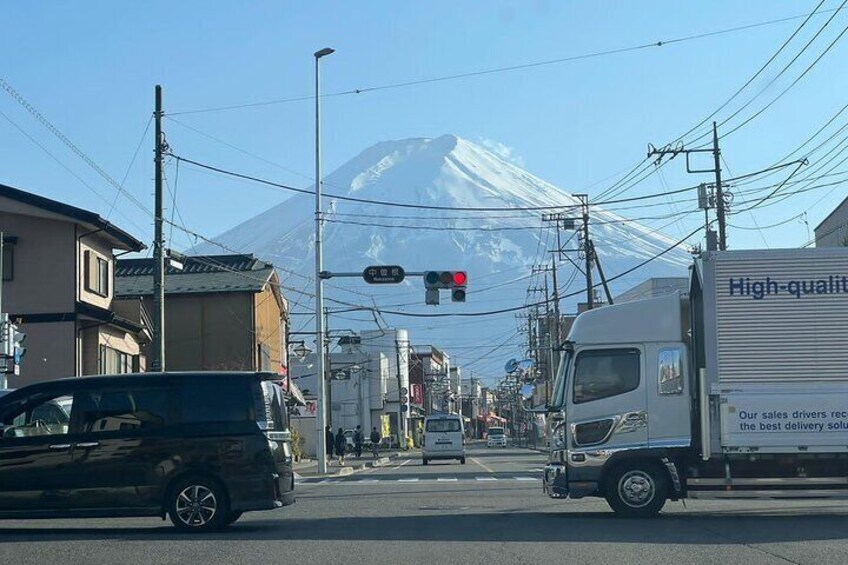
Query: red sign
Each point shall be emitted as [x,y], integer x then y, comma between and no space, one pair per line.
[417,393]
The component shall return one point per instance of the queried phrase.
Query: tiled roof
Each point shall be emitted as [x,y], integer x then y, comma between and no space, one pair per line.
[78,214]
[200,274]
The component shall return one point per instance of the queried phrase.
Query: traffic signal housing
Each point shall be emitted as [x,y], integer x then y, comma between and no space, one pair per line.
[455,281]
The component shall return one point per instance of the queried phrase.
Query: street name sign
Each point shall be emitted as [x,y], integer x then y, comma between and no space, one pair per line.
[383,274]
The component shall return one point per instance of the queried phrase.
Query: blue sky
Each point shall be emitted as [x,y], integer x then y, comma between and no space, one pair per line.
[90,68]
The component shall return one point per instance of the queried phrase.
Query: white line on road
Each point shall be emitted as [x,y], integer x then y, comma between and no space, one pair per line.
[444,479]
[482,465]
[413,480]
[401,465]
[486,478]
[367,481]
[526,478]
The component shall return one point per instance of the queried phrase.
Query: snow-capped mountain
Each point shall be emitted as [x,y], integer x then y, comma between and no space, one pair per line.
[497,249]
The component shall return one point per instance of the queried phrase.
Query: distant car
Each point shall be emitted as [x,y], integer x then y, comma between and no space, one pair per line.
[496,437]
[443,438]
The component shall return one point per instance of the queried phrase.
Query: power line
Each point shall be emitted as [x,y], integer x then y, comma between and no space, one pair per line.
[503,69]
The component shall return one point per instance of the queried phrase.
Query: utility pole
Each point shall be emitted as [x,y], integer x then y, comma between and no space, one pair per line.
[721,204]
[321,416]
[587,251]
[722,227]
[158,362]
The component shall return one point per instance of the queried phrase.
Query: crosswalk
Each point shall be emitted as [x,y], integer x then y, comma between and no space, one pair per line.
[410,480]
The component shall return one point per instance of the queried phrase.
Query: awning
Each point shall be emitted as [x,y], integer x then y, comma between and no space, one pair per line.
[293,394]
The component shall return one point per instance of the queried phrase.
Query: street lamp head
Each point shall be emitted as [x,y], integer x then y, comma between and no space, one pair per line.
[324,52]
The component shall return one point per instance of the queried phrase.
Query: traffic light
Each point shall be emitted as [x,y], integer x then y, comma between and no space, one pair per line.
[460,279]
[455,281]
[12,348]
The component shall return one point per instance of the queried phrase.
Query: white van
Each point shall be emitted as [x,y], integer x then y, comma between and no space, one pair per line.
[443,438]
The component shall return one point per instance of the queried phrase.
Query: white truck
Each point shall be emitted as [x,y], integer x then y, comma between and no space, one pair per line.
[738,390]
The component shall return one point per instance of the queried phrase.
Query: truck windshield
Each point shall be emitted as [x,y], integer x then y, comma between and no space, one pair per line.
[557,402]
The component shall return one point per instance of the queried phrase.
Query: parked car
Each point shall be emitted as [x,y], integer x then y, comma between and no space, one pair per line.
[443,438]
[496,437]
[201,448]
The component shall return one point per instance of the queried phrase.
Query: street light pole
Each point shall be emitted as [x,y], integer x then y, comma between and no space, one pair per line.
[321,416]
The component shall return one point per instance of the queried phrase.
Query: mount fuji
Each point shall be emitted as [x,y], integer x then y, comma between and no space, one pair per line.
[498,249]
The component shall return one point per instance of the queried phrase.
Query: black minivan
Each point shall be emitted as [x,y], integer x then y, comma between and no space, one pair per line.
[200,447]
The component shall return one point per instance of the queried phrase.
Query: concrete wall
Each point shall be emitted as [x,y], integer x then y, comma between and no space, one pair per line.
[270,330]
[833,231]
[209,332]
[51,353]
[43,277]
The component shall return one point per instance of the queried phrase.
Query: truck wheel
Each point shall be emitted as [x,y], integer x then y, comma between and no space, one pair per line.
[636,490]
[462,461]
[424,461]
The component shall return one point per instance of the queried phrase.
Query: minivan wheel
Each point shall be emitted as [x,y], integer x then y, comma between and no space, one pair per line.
[424,461]
[462,461]
[198,504]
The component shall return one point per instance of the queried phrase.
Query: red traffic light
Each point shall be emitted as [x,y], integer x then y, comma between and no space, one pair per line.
[460,278]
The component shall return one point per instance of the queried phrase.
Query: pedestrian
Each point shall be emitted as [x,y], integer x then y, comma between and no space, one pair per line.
[375,441]
[358,439]
[329,442]
[341,444]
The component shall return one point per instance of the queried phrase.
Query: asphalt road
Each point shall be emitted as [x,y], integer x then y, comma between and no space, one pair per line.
[490,511]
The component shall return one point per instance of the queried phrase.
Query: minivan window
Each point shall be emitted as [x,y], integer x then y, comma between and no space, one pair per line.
[112,409]
[209,400]
[37,415]
[446,425]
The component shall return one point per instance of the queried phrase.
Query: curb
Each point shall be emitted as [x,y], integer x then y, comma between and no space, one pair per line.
[349,470]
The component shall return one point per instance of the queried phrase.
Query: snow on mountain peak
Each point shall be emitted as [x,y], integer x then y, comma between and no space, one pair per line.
[497,249]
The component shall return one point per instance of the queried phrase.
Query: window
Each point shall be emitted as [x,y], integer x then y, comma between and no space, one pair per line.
[446,425]
[215,400]
[96,274]
[605,373]
[114,362]
[41,414]
[119,409]
[8,262]
[670,372]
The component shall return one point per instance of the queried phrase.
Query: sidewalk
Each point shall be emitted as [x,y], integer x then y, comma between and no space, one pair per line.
[309,467]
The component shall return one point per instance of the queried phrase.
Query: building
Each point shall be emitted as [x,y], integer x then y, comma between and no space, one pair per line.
[833,230]
[356,389]
[58,285]
[429,369]
[655,287]
[222,312]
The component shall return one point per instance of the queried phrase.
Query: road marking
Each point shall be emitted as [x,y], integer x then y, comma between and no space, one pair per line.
[414,480]
[486,478]
[445,479]
[525,478]
[328,481]
[367,481]
[482,465]
[401,465]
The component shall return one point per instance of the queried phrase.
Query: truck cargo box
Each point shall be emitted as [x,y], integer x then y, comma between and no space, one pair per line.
[775,347]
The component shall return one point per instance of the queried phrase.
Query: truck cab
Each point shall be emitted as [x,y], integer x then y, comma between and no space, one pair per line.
[621,406]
